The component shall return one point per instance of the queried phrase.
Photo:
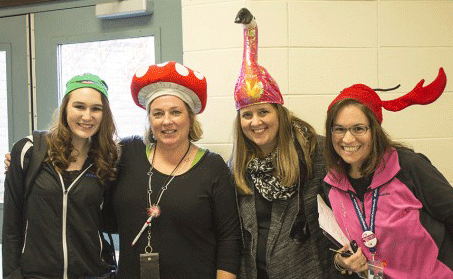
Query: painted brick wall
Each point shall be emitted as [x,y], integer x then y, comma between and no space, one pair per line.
[314,49]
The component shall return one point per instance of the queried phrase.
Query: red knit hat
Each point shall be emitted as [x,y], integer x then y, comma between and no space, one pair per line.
[419,95]
[169,78]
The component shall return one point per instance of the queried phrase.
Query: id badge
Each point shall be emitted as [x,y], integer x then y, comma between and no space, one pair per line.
[375,270]
[149,266]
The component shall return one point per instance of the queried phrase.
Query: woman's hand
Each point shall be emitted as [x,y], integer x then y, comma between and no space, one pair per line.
[7,161]
[357,262]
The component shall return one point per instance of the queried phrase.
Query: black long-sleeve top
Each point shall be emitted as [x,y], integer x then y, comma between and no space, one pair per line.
[198,231]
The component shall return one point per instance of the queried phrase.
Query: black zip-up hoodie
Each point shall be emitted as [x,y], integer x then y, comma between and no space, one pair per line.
[55,232]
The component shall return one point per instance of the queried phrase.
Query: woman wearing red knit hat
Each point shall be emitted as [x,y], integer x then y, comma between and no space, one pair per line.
[392,201]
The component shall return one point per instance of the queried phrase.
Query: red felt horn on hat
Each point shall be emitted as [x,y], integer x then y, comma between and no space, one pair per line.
[419,95]
[169,78]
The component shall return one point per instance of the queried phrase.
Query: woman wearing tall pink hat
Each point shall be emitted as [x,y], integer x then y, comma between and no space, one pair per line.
[392,201]
[174,202]
[278,167]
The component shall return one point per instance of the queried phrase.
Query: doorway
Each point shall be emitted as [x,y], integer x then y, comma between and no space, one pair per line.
[43,46]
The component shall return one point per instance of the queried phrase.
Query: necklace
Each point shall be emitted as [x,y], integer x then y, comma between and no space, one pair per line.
[154,209]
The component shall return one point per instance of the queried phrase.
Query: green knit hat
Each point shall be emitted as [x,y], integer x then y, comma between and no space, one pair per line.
[87,80]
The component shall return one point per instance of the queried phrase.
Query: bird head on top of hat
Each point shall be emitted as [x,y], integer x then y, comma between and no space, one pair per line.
[254,84]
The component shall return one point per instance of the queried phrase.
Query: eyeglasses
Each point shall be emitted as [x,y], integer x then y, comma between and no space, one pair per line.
[358,130]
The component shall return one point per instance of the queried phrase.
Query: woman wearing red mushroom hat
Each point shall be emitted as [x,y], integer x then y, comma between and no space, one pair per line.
[174,203]
[392,201]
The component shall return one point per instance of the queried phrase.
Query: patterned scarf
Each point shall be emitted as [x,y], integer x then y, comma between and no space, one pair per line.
[262,173]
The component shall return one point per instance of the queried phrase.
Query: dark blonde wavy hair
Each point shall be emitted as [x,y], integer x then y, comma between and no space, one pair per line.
[291,131]
[195,130]
[380,141]
[104,148]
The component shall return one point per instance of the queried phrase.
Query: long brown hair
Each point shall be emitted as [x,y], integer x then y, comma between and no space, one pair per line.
[291,131]
[104,149]
[379,145]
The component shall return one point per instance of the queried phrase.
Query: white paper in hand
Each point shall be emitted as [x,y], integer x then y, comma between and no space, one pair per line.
[328,223]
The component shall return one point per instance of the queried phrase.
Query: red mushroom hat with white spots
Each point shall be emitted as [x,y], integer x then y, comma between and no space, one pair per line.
[169,78]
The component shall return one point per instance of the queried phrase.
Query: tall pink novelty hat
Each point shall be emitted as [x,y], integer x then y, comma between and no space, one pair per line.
[169,78]
[254,84]
[418,96]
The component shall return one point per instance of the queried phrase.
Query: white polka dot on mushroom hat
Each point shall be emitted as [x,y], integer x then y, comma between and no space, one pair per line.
[198,75]
[183,71]
[141,72]
[162,64]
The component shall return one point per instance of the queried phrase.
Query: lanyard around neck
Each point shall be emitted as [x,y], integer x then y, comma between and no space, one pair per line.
[163,189]
[368,235]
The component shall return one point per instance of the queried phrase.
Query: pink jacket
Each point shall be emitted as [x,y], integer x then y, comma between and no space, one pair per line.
[414,212]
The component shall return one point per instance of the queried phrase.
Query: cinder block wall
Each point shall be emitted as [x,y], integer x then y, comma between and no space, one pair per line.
[314,49]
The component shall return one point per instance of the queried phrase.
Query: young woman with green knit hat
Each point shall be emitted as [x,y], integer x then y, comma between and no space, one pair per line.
[52,229]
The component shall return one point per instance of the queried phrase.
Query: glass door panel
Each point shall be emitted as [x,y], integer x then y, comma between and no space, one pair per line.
[115,61]
[15,77]
[74,41]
